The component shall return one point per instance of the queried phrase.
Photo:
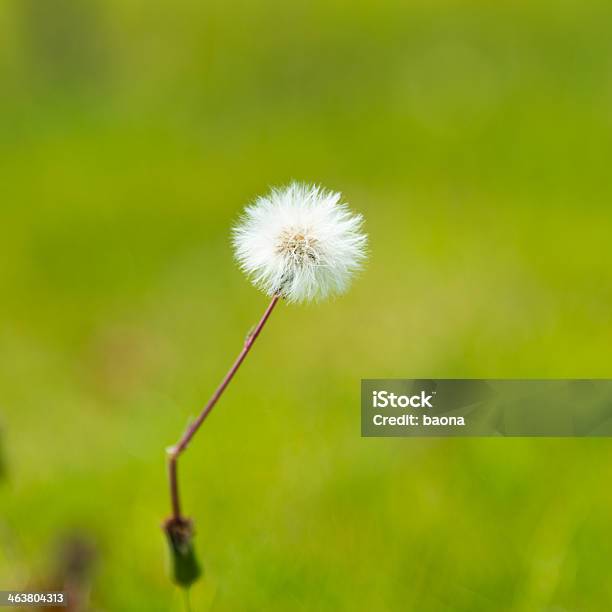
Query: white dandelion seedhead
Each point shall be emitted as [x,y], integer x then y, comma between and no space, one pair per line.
[300,242]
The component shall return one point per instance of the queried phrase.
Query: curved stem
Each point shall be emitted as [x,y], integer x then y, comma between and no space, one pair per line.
[182,444]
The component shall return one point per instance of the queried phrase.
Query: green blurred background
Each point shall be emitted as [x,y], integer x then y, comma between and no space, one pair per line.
[475,137]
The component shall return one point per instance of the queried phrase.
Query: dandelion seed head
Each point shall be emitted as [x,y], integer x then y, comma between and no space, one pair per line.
[301,242]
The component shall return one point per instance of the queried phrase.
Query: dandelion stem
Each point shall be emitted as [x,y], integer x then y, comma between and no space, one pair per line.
[182,444]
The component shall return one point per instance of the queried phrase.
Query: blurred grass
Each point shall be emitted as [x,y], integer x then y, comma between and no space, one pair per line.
[476,140]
